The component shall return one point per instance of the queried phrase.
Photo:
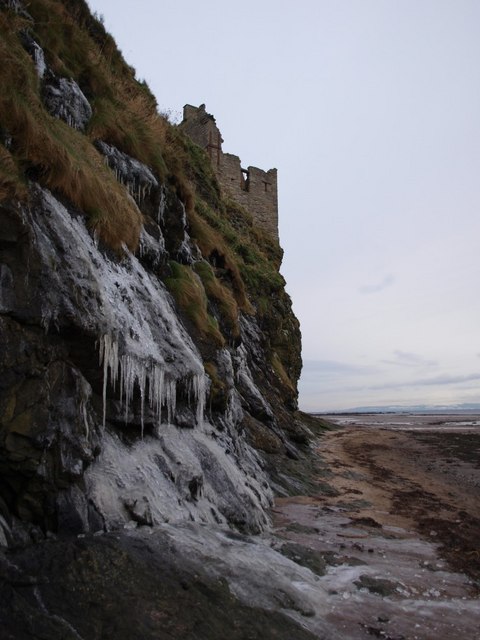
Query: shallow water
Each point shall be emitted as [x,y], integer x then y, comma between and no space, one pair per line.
[409,421]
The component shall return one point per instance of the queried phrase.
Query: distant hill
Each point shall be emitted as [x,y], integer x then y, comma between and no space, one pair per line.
[466,407]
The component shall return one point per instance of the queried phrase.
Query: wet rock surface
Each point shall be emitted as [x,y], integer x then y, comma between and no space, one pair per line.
[166,583]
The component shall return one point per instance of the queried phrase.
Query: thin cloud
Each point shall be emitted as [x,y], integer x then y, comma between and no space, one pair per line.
[408,359]
[379,286]
[441,380]
[333,367]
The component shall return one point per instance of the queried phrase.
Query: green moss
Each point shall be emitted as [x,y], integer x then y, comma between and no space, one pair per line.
[189,293]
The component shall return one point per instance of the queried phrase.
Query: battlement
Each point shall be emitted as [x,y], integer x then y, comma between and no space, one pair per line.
[253,188]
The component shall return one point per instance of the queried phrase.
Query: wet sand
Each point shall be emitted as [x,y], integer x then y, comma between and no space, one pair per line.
[396,524]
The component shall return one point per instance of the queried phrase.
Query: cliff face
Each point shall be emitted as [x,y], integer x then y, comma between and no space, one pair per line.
[148,351]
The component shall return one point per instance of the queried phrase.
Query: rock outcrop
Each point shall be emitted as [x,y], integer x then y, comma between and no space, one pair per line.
[143,380]
[148,351]
[64,99]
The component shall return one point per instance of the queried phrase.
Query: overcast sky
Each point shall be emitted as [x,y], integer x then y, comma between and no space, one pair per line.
[370,110]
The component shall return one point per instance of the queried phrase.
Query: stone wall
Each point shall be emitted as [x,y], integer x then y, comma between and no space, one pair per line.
[253,188]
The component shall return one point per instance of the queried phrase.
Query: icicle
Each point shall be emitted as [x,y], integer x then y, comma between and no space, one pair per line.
[161,206]
[109,357]
[162,391]
[184,215]
[200,391]
[83,409]
[171,398]
[142,379]
[46,319]
[155,392]
[128,382]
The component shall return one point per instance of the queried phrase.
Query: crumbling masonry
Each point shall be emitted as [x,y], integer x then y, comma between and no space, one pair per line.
[253,188]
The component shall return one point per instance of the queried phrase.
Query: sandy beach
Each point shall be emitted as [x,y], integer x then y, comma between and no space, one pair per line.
[395,526]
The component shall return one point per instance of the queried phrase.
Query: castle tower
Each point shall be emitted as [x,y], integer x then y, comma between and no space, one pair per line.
[252,188]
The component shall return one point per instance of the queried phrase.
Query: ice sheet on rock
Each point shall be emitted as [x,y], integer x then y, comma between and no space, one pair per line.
[185,252]
[152,247]
[256,574]
[234,412]
[247,385]
[64,99]
[128,309]
[178,476]
[132,173]
[162,204]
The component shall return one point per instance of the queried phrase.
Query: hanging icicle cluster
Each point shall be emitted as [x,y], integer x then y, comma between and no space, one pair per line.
[154,384]
[130,172]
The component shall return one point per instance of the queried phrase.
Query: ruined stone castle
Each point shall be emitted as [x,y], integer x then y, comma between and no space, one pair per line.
[253,188]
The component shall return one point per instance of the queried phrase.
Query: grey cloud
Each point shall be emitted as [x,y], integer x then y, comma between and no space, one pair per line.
[379,286]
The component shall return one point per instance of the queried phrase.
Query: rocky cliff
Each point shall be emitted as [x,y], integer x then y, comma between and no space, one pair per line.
[149,355]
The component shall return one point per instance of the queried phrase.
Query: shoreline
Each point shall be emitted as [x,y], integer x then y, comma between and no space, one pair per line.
[395,524]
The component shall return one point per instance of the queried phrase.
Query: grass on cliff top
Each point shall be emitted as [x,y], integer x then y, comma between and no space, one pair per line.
[124,114]
[77,46]
[125,111]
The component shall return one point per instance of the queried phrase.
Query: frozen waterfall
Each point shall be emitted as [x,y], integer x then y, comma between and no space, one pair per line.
[142,343]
